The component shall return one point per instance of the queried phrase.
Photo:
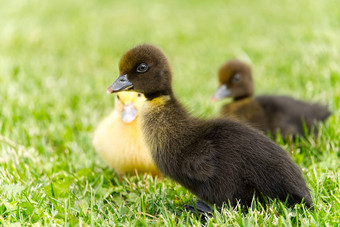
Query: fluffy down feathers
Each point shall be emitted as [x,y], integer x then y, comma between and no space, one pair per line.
[118,140]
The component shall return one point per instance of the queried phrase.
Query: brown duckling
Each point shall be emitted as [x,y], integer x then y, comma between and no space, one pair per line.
[266,113]
[118,140]
[218,160]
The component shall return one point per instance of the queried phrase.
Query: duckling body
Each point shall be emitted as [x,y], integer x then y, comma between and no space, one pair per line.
[218,160]
[265,113]
[248,111]
[291,116]
[118,139]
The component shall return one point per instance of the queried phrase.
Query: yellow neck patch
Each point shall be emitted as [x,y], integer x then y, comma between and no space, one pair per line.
[159,101]
[245,100]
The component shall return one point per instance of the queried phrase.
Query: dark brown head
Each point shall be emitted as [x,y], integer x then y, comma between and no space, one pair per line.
[144,69]
[235,81]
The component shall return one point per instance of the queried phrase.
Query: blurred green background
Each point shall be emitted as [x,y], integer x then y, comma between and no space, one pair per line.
[58,57]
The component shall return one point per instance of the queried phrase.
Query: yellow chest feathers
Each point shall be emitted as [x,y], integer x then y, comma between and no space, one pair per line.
[122,146]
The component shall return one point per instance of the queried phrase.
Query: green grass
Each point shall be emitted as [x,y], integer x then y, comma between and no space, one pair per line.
[58,57]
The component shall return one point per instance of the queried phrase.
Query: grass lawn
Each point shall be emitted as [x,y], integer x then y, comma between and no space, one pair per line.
[58,57]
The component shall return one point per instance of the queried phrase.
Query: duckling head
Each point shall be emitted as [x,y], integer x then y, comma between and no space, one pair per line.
[144,69]
[128,105]
[235,81]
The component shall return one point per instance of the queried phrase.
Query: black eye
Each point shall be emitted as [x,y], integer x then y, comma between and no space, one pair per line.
[118,97]
[142,68]
[237,77]
[139,95]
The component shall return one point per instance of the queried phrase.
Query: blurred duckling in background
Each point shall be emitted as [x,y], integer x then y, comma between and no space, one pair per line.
[266,113]
[118,140]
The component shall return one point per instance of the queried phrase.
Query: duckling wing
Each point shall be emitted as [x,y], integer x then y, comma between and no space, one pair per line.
[293,107]
[290,114]
[200,165]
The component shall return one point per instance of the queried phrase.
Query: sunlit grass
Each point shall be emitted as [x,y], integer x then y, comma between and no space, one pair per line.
[58,57]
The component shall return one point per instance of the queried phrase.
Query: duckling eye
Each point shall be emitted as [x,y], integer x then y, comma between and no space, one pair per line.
[139,95]
[142,68]
[118,98]
[236,77]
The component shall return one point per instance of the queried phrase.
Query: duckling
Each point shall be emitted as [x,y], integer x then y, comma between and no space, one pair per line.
[265,113]
[118,140]
[218,160]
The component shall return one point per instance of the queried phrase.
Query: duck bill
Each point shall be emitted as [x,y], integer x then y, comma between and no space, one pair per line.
[121,84]
[129,113]
[221,92]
